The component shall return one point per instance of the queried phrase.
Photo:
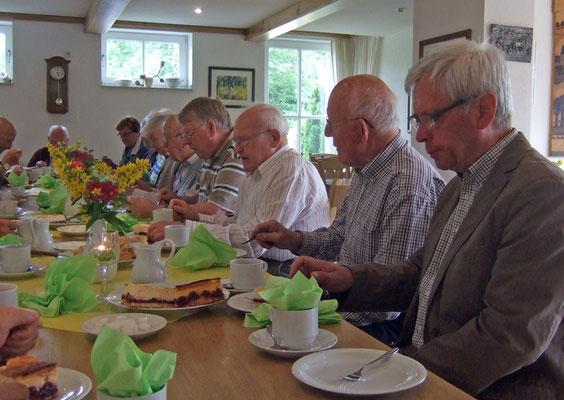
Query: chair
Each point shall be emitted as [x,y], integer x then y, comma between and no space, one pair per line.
[337,192]
[331,168]
[313,157]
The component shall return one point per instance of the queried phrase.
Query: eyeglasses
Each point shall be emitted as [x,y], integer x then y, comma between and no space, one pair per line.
[329,126]
[429,120]
[189,135]
[125,134]
[243,141]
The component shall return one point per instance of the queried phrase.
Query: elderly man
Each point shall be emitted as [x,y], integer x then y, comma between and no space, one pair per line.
[485,293]
[7,137]
[57,134]
[183,177]
[386,211]
[280,184]
[129,133]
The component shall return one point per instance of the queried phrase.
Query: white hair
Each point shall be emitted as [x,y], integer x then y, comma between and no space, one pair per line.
[55,127]
[270,117]
[155,119]
[379,106]
[464,69]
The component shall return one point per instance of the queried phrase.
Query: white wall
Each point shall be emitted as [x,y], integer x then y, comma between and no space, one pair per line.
[95,110]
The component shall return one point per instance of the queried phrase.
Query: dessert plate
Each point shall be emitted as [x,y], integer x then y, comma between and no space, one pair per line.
[242,302]
[68,246]
[135,325]
[227,284]
[17,214]
[73,385]
[325,371]
[241,253]
[73,230]
[263,341]
[32,270]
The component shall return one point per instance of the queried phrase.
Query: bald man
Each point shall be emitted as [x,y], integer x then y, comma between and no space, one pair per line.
[386,211]
[58,134]
[7,137]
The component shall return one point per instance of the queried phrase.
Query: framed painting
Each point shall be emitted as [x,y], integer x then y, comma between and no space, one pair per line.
[428,45]
[557,98]
[235,87]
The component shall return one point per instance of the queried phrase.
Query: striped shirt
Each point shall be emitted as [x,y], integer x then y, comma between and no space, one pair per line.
[186,175]
[220,177]
[384,216]
[285,187]
[472,180]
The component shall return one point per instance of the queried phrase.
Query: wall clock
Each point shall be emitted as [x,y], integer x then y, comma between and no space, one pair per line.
[57,85]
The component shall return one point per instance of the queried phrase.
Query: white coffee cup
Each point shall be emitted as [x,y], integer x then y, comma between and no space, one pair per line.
[5,195]
[162,214]
[18,191]
[8,207]
[179,234]
[35,173]
[247,273]
[8,295]
[294,329]
[15,257]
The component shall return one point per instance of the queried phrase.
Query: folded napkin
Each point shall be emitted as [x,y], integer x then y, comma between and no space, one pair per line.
[11,239]
[129,222]
[48,182]
[54,201]
[68,288]
[122,370]
[17,180]
[298,293]
[204,251]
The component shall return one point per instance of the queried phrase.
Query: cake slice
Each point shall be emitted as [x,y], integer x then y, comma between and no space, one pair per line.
[200,292]
[40,377]
[141,295]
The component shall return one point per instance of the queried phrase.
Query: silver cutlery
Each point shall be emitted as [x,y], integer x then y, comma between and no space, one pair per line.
[357,375]
[275,346]
[245,242]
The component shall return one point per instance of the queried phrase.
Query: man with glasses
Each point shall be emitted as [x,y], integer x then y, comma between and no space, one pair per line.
[386,211]
[280,184]
[128,132]
[485,294]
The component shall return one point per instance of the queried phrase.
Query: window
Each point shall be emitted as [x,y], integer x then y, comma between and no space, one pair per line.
[299,81]
[6,51]
[127,54]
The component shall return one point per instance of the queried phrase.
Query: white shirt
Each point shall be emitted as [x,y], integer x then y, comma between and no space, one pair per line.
[286,187]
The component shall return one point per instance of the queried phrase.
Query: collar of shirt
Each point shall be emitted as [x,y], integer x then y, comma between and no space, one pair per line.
[228,143]
[193,158]
[270,162]
[136,146]
[383,158]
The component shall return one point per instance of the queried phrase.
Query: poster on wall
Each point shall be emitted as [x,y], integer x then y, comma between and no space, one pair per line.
[557,99]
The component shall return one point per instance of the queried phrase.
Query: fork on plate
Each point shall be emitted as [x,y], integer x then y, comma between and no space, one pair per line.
[357,375]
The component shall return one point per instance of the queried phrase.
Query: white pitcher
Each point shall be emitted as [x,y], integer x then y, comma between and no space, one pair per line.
[36,233]
[148,266]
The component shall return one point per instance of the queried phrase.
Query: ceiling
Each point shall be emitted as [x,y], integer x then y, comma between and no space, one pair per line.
[355,17]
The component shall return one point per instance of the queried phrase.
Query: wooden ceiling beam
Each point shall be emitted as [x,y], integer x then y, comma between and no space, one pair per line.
[293,17]
[102,14]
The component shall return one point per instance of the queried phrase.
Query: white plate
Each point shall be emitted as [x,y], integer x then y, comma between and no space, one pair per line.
[261,339]
[152,323]
[12,216]
[73,230]
[227,284]
[73,385]
[241,253]
[68,246]
[242,302]
[114,298]
[325,371]
[32,270]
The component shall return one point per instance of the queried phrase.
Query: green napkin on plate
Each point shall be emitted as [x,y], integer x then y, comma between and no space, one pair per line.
[11,239]
[54,201]
[122,370]
[17,180]
[48,182]
[68,288]
[298,293]
[204,251]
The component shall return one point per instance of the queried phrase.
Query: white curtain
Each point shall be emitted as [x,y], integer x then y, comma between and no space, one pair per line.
[357,55]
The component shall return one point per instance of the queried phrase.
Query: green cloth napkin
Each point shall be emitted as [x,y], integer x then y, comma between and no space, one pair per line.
[11,239]
[17,180]
[298,293]
[129,220]
[68,288]
[122,370]
[54,201]
[204,251]
[48,182]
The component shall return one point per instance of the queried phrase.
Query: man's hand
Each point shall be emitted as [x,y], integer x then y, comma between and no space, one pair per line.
[16,169]
[142,207]
[166,195]
[40,164]
[7,226]
[329,276]
[109,162]
[143,185]
[183,210]
[12,157]
[156,231]
[18,330]
[274,234]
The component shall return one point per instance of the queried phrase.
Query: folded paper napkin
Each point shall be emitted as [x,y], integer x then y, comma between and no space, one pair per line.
[130,222]
[54,201]
[11,239]
[298,293]
[204,251]
[122,370]
[68,288]
[48,182]
[17,180]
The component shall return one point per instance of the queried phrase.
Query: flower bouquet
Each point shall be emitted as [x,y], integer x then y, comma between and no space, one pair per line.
[97,188]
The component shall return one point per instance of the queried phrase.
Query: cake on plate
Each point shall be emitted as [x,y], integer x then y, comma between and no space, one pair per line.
[40,377]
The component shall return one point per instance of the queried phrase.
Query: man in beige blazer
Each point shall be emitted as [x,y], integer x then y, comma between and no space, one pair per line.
[485,294]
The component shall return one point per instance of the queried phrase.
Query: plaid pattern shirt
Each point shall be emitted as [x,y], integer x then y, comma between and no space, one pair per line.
[384,216]
[472,180]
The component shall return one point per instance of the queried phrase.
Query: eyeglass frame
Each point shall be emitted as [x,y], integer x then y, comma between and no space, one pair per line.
[415,120]
[120,135]
[188,135]
[242,142]
[329,126]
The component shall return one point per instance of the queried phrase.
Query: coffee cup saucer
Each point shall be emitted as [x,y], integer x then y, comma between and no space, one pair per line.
[227,284]
[263,341]
[32,269]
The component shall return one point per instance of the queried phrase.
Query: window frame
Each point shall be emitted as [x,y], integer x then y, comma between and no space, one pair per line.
[6,27]
[184,39]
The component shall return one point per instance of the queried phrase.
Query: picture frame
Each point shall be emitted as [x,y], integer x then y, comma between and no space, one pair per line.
[556,138]
[235,87]
[428,45]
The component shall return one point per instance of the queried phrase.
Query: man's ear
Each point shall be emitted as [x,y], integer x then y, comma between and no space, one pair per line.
[210,127]
[487,106]
[275,136]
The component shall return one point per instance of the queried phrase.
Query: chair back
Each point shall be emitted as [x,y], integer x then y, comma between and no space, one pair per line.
[337,192]
[332,167]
